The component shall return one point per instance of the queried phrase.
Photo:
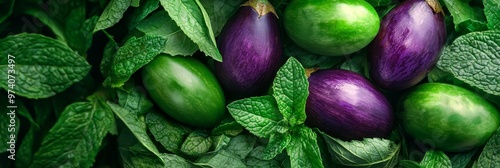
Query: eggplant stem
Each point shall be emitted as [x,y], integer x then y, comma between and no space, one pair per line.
[262,7]
[436,6]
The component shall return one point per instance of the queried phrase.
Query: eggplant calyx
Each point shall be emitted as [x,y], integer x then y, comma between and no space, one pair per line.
[309,71]
[261,6]
[436,7]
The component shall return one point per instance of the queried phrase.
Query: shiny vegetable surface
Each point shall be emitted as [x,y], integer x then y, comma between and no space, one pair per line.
[407,46]
[331,27]
[346,105]
[185,89]
[448,117]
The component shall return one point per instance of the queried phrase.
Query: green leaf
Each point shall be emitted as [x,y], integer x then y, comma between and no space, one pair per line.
[462,12]
[141,12]
[136,125]
[220,142]
[303,149]
[170,134]
[172,160]
[257,114]
[241,145]
[489,157]
[196,144]
[78,31]
[219,12]
[108,55]
[435,159]
[255,159]
[134,154]
[50,21]
[220,159]
[229,127]
[76,137]
[112,14]
[6,9]
[376,3]
[192,21]
[43,66]
[135,101]
[133,55]
[370,152]
[308,59]
[135,3]
[492,14]
[290,90]
[160,24]
[474,59]
[357,62]
[277,143]
[409,164]
[26,149]
[461,160]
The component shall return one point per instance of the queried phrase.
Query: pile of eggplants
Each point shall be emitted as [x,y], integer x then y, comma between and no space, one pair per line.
[341,103]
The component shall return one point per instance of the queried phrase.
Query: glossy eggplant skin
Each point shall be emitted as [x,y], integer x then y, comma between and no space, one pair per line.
[407,46]
[346,105]
[251,49]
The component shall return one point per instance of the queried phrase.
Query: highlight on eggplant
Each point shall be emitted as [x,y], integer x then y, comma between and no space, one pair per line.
[408,44]
[251,49]
[348,106]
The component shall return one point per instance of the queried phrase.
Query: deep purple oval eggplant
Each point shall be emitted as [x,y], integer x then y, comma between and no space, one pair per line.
[251,48]
[408,45]
[346,105]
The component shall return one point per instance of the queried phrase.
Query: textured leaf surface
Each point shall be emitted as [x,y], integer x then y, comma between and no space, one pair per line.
[303,149]
[290,88]
[112,14]
[257,114]
[435,159]
[133,55]
[241,145]
[277,143]
[140,13]
[170,134]
[474,58]
[492,12]
[490,157]
[43,66]
[160,24]
[76,137]
[136,101]
[196,144]
[463,13]
[220,159]
[191,19]
[370,152]
[220,11]
[461,160]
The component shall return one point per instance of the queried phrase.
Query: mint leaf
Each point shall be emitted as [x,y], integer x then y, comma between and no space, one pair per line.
[374,152]
[6,9]
[196,144]
[241,145]
[409,164]
[376,3]
[112,14]
[26,149]
[78,31]
[133,55]
[219,12]
[474,59]
[135,101]
[136,125]
[108,55]
[170,134]
[290,90]
[490,157]
[160,24]
[43,66]
[172,160]
[191,19]
[277,143]
[462,12]
[51,22]
[255,159]
[76,137]
[461,160]
[220,142]
[220,159]
[228,127]
[303,149]
[357,62]
[134,154]
[435,159]
[257,114]
[140,13]
[492,14]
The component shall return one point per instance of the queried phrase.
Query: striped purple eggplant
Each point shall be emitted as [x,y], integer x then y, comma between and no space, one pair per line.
[408,44]
[251,49]
[346,105]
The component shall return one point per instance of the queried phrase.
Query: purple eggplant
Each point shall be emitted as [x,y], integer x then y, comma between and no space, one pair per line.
[408,44]
[251,49]
[346,105]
